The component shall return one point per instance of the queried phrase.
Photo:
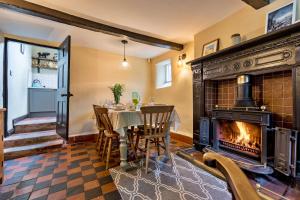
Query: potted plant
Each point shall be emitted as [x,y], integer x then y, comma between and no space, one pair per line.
[117,91]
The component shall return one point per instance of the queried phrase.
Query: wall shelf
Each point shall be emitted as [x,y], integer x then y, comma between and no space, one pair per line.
[40,67]
[44,63]
[44,59]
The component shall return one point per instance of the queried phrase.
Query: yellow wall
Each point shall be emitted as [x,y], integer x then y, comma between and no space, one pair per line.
[248,22]
[92,72]
[180,93]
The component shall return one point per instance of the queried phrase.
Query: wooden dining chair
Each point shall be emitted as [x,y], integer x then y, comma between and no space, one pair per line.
[100,126]
[110,135]
[156,125]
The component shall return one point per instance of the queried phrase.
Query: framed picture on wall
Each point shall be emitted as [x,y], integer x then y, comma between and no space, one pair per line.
[279,18]
[296,11]
[210,47]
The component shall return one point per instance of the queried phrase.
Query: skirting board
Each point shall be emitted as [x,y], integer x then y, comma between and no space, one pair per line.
[82,138]
[16,120]
[92,138]
[182,138]
[10,132]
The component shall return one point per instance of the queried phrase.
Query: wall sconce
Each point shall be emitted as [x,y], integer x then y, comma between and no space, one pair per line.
[181,59]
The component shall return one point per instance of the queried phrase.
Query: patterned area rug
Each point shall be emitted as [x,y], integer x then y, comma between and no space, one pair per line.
[173,179]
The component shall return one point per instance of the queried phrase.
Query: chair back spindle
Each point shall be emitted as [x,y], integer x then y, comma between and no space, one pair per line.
[104,121]
[156,120]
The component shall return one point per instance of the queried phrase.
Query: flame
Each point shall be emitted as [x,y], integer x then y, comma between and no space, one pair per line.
[244,136]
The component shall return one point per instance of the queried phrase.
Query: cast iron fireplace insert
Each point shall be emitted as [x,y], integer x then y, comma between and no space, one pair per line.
[244,133]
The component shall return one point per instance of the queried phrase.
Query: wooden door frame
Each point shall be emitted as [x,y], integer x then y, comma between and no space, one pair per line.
[5,73]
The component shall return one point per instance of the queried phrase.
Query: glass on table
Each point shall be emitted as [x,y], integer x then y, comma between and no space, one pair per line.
[135,99]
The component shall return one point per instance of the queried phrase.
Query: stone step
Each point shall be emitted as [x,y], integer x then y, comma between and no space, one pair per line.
[23,139]
[28,150]
[35,124]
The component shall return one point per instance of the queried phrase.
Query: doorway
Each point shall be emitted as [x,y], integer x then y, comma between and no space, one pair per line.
[36,85]
[31,85]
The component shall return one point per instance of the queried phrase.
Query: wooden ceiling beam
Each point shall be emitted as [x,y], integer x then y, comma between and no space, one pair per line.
[65,18]
[257,4]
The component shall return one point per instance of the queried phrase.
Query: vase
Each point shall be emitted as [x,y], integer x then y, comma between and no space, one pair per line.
[236,38]
[117,99]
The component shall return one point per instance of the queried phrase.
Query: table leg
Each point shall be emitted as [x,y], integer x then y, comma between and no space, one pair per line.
[123,151]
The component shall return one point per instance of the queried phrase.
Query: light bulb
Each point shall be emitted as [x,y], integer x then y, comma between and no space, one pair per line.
[124,63]
[179,62]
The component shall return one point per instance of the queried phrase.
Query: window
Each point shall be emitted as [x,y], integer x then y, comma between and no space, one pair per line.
[164,74]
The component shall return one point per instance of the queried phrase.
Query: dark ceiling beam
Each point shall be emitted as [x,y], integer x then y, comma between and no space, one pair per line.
[65,18]
[257,4]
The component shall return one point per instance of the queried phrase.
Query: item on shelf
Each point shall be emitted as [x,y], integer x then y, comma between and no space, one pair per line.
[43,55]
[279,18]
[236,38]
[36,83]
[210,47]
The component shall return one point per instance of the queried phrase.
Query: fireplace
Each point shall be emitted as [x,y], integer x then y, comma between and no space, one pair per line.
[245,98]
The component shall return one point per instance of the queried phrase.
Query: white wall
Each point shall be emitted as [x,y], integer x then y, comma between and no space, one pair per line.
[48,77]
[19,68]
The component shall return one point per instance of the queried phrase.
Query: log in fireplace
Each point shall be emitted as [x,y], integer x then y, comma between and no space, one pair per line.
[246,101]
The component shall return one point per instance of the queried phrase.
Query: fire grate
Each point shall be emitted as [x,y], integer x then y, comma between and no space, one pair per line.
[240,148]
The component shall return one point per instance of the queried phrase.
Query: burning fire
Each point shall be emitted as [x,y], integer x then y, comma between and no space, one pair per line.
[244,136]
[241,136]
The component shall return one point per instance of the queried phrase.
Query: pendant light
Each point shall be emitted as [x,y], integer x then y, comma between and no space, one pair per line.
[124,63]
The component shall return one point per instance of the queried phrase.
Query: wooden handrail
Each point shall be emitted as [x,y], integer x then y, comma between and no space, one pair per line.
[237,180]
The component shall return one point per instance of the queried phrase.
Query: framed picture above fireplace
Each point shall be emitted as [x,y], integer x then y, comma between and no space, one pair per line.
[281,17]
[210,47]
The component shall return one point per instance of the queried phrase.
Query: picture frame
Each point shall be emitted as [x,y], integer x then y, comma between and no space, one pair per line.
[296,17]
[210,47]
[280,17]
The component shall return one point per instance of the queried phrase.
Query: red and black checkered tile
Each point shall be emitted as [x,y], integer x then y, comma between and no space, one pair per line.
[74,172]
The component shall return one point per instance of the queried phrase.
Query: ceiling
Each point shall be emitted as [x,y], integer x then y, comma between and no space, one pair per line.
[174,20]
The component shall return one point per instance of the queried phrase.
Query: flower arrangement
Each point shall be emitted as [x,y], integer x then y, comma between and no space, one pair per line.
[117,90]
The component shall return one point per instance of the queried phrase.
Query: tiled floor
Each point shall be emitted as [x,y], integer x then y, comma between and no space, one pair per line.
[74,172]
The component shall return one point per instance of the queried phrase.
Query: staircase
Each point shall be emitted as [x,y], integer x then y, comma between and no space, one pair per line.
[32,136]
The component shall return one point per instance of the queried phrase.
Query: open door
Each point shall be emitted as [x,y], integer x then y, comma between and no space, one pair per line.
[63,89]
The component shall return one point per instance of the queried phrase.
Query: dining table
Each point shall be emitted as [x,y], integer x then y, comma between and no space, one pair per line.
[122,119]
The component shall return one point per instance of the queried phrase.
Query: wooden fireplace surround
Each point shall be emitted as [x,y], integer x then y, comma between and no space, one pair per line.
[272,52]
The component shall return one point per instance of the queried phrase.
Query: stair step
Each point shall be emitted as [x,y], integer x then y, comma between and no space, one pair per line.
[23,139]
[35,124]
[28,150]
